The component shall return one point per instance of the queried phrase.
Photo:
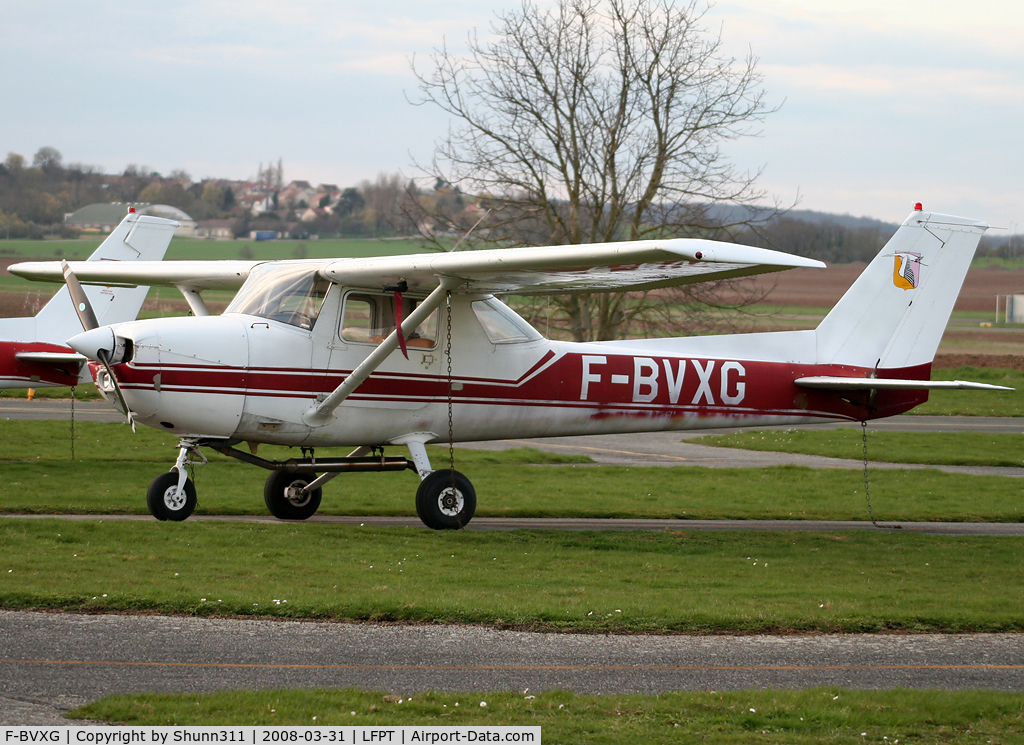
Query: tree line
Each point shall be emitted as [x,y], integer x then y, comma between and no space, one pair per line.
[35,197]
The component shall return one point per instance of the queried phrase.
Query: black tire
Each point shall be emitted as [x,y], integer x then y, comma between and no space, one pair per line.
[441,508]
[161,497]
[285,508]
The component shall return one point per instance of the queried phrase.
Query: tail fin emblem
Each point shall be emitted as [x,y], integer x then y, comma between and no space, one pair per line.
[907,270]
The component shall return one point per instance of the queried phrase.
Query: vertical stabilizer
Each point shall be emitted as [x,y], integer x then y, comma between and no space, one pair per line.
[894,315]
[137,238]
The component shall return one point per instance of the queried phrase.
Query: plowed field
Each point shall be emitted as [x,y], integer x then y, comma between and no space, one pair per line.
[822,288]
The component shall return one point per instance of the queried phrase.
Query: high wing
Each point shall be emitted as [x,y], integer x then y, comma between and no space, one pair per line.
[633,265]
[595,267]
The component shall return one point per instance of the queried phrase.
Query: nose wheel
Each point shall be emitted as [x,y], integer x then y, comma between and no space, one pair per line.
[166,501]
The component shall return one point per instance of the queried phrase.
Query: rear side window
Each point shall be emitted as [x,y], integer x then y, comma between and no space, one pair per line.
[501,324]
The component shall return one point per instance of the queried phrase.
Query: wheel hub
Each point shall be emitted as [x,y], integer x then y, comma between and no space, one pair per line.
[450,502]
[173,499]
[293,493]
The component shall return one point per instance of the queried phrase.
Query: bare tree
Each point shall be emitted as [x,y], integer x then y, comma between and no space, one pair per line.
[389,204]
[593,122]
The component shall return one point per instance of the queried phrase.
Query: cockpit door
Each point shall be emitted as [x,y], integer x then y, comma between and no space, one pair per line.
[399,383]
[280,306]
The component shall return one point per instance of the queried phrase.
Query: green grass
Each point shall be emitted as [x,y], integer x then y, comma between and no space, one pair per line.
[82,393]
[114,469]
[605,581]
[46,250]
[976,403]
[980,262]
[196,248]
[931,448]
[816,715]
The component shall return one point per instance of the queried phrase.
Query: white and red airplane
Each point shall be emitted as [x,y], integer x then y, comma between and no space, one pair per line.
[307,354]
[33,352]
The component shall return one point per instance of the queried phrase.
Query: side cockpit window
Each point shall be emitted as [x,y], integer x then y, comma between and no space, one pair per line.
[369,319]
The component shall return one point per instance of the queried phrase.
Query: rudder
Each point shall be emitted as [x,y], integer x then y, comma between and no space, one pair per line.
[894,315]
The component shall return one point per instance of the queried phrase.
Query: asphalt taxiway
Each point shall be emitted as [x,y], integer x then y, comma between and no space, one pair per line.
[50,662]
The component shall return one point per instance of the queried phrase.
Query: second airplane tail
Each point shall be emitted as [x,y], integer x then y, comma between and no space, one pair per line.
[137,238]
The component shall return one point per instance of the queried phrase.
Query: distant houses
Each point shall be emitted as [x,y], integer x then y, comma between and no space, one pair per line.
[230,209]
[218,230]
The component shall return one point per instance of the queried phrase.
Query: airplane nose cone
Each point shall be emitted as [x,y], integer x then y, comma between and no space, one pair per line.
[91,342]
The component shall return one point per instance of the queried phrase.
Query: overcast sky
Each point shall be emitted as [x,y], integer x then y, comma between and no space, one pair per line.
[883,103]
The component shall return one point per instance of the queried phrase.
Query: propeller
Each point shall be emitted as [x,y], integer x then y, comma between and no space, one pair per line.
[89,323]
[82,305]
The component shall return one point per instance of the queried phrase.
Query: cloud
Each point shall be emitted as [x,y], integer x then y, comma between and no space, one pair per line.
[891,80]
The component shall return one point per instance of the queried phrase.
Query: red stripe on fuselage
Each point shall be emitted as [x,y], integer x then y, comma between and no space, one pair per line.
[616,385]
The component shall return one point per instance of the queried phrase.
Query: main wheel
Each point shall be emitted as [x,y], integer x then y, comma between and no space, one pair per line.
[442,507]
[164,501]
[285,499]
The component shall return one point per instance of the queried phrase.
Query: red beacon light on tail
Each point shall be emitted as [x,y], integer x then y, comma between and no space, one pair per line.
[918,207]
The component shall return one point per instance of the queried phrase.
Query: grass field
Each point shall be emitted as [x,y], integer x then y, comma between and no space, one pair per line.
[930,448]
[976,403]
[607,581]
[817,715]
[196,248]
[115,467]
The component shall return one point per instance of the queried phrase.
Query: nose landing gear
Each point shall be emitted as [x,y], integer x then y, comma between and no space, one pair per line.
[168,501]
[172,495]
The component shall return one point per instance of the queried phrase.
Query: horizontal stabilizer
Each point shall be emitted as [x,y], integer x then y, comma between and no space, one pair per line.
[861,384]
[196,275]
[50,358]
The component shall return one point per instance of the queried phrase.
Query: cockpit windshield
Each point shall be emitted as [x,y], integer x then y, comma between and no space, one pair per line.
[292,294]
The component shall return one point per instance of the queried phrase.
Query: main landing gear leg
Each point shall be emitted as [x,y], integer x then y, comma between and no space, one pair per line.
[172,495]
[446,499]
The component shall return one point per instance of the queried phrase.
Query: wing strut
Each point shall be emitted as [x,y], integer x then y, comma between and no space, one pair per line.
[323,413]
[194,300]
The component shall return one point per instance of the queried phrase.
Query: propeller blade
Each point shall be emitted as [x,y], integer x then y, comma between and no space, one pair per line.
[105,359]
[82,306]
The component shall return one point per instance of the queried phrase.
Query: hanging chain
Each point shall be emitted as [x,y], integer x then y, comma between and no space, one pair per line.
[448,354]
[72,422]
[867,486]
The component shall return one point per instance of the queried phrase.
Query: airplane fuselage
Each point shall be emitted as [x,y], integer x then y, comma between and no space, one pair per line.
[20,366]
[245,377]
